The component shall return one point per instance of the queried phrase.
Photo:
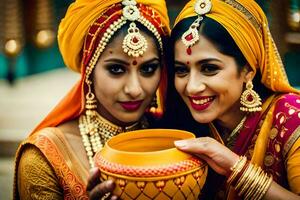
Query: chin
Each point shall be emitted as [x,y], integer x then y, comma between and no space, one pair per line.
[130,117]
[202,118]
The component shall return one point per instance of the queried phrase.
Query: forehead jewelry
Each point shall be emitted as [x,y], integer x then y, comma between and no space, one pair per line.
[191,36]
[134,43]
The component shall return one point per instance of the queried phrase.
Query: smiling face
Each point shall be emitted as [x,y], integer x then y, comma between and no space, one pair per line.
[124,85]
[209,82]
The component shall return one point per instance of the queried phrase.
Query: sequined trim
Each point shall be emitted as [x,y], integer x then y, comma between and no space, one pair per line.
[242,9]
[292,139]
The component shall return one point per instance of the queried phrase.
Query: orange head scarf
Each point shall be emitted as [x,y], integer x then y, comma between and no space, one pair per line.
[77,47]
[248,26]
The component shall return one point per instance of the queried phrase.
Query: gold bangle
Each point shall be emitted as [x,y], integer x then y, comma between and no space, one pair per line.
[249,179]
[266,187]
[243,177]
[250,192]
[259,190]
[237,167]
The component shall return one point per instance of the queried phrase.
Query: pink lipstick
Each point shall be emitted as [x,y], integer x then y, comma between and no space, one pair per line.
[131,105]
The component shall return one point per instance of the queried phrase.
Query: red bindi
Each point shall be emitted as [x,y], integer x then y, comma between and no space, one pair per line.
[134,62]
[188,62]
[110,52]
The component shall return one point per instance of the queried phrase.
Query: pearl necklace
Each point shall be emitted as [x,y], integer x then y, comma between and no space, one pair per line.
[231,138]
[97,130]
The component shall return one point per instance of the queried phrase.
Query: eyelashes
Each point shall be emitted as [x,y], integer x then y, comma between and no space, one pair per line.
[145,70]
[206,69]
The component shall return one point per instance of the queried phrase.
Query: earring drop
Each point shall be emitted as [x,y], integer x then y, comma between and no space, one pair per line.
[250,99]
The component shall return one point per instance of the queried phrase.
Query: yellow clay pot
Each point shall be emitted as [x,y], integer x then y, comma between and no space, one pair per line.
[146,165]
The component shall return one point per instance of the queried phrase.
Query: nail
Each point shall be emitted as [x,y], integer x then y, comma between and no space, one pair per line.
[180,143]
[114,197]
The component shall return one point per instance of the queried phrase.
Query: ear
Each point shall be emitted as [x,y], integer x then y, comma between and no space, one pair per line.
[247,73]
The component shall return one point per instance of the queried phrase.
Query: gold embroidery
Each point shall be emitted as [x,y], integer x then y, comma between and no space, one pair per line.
[277,148]
[69,180]
[269,160]
[291,108]
[273,133]
[242,9]
[292,139]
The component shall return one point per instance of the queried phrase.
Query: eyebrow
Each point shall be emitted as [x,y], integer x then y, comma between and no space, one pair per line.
[115,60]
[199,62]
[126,63]
[151,61]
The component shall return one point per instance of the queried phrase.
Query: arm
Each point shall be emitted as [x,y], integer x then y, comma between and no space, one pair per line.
[36,178]
[221,159]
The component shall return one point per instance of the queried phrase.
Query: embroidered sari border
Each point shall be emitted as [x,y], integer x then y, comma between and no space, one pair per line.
[292,139]
[66,151]
[243,10]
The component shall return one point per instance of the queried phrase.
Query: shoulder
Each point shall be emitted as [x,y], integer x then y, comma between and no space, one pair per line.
[50,133]
[287,107]
[288,101]
[69,127]
[36,177]
[286,119]
[33,158]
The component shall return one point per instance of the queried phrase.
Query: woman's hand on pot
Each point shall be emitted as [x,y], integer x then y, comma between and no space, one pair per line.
[218,156]
[97,189]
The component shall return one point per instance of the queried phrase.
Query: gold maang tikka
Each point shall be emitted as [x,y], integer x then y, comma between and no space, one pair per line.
[191,36]
[134,43]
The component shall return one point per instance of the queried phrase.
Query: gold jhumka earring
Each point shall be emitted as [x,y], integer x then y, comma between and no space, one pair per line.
[250,100]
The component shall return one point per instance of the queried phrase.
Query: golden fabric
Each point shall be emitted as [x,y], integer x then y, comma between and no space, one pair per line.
[293,167]
[70,174]
[247,24]
[36,178]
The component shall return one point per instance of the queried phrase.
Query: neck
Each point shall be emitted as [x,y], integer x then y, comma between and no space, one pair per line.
[96,130]
[231,120]
[123,127]
[106,116]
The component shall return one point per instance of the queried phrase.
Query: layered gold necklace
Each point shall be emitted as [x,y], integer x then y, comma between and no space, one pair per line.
[97,130]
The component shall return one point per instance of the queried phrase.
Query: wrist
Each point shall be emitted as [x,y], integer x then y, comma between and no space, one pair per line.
[237,170]
[234,161]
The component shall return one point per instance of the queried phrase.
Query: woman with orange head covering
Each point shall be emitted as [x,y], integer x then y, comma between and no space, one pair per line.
[119,48]
[229,74]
